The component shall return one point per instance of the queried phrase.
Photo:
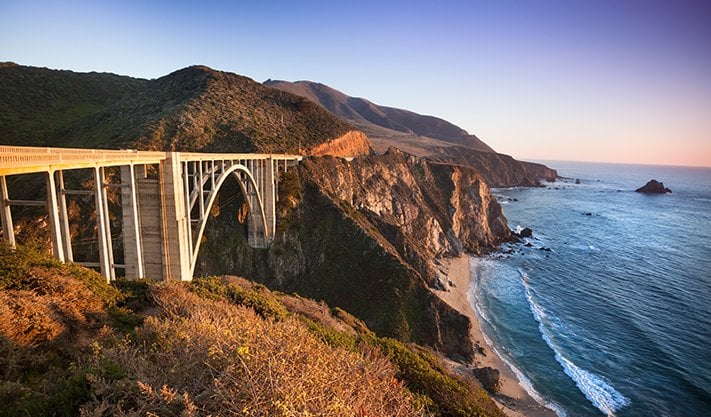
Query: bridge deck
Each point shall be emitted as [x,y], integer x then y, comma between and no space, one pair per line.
[24,159]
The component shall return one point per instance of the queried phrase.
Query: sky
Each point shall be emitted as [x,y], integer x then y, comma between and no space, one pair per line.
[599,80]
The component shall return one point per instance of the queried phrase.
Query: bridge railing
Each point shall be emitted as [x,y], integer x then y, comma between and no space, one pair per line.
[25,159]
[197,156]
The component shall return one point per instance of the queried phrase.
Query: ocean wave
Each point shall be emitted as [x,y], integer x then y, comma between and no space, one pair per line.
[596,388]
[523,380]
[526,383]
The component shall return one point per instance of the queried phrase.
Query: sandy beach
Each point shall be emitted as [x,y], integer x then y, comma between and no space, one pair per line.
[512,398]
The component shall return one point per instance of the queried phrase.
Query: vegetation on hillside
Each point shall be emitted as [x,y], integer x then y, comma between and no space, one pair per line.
[38,106]
[216,346]
[192,109]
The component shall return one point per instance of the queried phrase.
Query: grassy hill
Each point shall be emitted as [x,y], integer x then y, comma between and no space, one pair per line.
[385,126]
[195,109]
[70,344]
[38,105]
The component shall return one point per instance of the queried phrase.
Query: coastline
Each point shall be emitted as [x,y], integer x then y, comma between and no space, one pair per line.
[512,398]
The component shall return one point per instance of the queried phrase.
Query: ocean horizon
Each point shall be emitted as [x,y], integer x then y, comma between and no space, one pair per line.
[605,309]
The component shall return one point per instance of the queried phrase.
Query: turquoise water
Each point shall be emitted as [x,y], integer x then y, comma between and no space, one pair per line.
[608,311]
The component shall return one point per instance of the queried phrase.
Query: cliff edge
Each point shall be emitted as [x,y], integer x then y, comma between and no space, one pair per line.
[364,236]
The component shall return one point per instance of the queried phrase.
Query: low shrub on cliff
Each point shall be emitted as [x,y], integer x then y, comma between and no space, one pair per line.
[49,313]
[257,297]
[71,344]
[203,357]
[443,394]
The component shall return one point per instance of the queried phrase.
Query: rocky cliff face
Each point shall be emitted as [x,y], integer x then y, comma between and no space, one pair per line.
[364,235]
[498,170]
[424,210]
[352,143]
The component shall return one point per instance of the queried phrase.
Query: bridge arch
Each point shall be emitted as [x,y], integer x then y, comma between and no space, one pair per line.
[257,218]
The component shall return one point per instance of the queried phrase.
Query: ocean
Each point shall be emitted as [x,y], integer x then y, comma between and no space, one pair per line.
[606,310]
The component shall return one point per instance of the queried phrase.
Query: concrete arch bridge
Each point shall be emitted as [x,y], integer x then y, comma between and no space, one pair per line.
[165,201]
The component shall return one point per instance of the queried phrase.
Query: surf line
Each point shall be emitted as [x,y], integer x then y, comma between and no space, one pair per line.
[598,390]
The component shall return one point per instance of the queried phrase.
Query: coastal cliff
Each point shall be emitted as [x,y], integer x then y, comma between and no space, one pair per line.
[365,236]
[351,143]
[498,170]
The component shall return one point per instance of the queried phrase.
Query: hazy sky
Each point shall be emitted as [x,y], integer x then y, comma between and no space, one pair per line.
[601,80]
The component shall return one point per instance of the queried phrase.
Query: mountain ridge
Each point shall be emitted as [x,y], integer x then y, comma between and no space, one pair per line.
[195,108]
[381,121]
[421,135]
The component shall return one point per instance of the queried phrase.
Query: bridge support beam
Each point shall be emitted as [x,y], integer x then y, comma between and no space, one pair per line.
[103,226]
[8,229]
[131,225]
[270,199]
[64,219]
[55,225]
[176,232]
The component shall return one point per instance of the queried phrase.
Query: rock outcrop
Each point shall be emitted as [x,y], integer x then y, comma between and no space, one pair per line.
[363,235]
[653,187]
[489,378]
[352,143]
[525,232]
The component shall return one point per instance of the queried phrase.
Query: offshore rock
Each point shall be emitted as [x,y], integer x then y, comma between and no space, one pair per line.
[526,232]
[653,187]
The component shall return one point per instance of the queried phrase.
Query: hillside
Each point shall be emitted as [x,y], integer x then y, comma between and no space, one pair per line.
[424,136]
[195,108]
[366,236]
[384,125]
[38,105]
[70,345]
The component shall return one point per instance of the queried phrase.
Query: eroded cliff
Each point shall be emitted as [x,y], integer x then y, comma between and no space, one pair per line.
[364,235]
[351,143]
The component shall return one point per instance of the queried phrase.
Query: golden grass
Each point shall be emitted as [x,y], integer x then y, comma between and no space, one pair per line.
[208,357]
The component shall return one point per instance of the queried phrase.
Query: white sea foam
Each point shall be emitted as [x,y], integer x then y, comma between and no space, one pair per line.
[523,380]
[526,383]
[596,388]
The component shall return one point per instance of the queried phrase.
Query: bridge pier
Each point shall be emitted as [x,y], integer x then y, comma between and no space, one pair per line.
[8,229]
[103,225]
[175,221]
[64,219]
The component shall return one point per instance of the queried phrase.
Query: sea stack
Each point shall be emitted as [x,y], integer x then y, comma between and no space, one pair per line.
[653,187]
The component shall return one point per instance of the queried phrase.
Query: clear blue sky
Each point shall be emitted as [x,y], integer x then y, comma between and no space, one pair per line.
[604,80]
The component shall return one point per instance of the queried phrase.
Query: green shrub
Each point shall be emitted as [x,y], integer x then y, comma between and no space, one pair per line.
[27,268]
[16,264]
[441,393]
[330,336]
[258,298]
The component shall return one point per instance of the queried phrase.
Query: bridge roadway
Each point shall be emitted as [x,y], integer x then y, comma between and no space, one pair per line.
[165,197]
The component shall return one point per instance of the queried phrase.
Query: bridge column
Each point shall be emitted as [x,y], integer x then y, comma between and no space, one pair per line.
[8,230]
[103,227]
[64,219]
[270,199]
[53,213]
[176,236]
[131,224]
